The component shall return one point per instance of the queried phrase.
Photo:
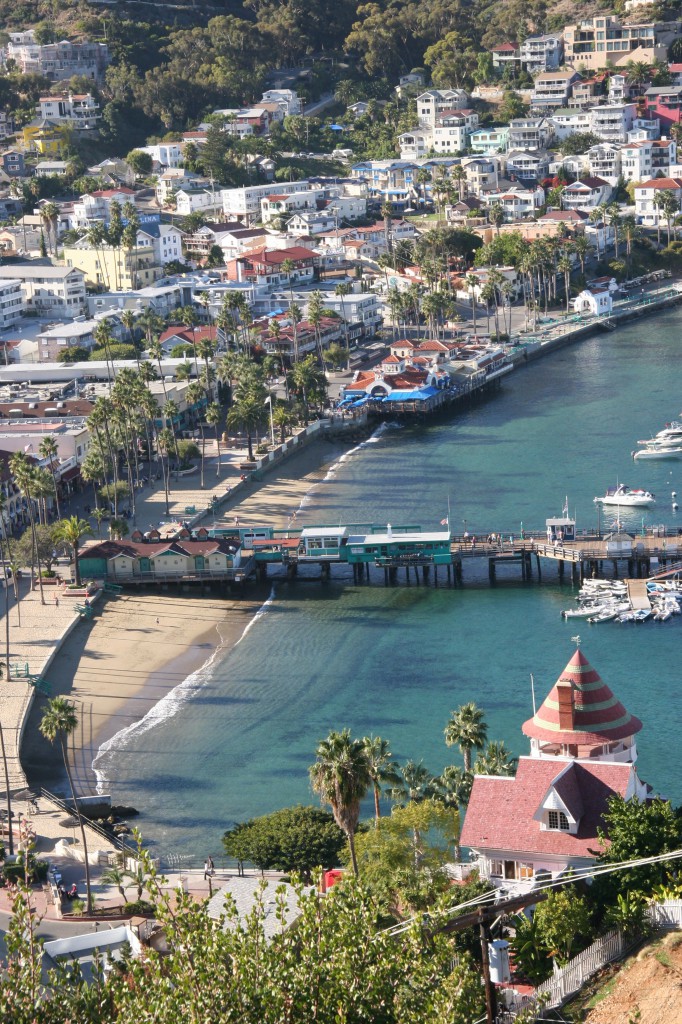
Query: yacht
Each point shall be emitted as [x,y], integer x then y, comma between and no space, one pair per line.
[627,497]
[658,452]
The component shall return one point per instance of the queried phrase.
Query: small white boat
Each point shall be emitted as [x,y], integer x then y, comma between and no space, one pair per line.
[642,614]
[658,453]
[581,613]
[605,615]
[627,497]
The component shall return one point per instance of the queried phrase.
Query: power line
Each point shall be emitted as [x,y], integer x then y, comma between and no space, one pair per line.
[576,875]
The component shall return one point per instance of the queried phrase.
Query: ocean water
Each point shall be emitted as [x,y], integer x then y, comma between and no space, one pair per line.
[237,739]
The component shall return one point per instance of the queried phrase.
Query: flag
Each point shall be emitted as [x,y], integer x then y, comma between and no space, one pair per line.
[564,510]
[268,400]
[445,522]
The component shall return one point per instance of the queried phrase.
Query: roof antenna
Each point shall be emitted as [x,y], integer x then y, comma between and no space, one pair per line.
[576,640]
[532,690]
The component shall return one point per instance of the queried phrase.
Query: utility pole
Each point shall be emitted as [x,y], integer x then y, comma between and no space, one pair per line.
[490,994]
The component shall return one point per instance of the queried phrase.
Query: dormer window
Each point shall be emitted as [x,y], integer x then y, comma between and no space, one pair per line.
[557,821]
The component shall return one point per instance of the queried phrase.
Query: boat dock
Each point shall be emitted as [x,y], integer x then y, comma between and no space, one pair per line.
[638,595]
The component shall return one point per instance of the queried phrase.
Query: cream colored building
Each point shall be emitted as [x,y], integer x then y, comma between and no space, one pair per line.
[594,42]
[114,269]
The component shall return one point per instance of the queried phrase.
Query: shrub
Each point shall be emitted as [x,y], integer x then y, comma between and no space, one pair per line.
[138,907]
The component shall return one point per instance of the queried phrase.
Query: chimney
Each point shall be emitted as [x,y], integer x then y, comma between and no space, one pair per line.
[564,691]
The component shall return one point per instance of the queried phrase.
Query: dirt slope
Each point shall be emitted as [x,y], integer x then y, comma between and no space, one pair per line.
[650,983]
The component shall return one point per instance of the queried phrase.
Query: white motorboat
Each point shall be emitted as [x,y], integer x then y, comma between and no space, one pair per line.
[658,453]
[627,497]
[583,612]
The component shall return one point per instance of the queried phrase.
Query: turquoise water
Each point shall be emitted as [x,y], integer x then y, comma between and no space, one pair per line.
[396,661]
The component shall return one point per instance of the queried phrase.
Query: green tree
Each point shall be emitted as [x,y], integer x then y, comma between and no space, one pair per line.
[58,722]
[70,532]
[562,921]
[341,778]
[578,142]
[635,829]
[28,547]
[21,469]
[495,759]
[140,162]
[292,839]
[467,730]
[512,106]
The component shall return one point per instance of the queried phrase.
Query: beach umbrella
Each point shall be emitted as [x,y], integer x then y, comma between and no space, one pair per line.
[69,822]
[25,794]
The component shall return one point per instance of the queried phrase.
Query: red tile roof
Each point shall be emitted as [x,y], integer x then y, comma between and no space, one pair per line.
[277,256]
[663,183]
[597,716]
[500,814]
[188,335]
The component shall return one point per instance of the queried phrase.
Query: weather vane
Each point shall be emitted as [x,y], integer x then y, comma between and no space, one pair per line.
[576,640]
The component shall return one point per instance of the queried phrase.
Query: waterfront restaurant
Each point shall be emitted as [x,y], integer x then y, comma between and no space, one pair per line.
[394,548]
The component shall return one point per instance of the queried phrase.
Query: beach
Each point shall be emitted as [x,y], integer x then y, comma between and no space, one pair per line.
[141,649]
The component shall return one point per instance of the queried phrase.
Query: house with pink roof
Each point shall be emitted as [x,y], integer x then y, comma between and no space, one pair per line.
[545,819]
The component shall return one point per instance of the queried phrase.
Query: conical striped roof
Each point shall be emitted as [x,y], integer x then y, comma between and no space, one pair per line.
[598,716]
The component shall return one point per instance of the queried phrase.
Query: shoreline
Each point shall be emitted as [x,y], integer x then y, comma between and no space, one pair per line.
[117,678]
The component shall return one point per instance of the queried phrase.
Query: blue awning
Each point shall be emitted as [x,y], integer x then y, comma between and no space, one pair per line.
[418,395]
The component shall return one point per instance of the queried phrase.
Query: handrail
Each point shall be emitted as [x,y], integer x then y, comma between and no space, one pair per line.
[118,841]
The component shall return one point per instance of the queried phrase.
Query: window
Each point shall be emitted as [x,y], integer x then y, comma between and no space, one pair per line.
[557,821]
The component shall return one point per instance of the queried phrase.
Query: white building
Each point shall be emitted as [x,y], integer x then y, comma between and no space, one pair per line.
[174,178]
[566,121]
[530,134]
[433,103]
[595,301]
[605,161]
[308,222]
[165,154]
[95,207]
[11,301]
[57,61]
[553,88]
[287,99]
[586,194]
[517,202]
[46,290]
[644,128]
[646,197]
[281,204]
[164,239]
[524,165]
[244,203]
[195,200]
[613,121]
[77,110]
[541,53]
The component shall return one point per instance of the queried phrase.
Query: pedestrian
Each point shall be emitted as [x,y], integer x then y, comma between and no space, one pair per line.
[211,865]
[157,621]
[207,869]
[56,600]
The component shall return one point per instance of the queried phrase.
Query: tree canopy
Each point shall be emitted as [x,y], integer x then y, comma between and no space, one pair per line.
[292,839]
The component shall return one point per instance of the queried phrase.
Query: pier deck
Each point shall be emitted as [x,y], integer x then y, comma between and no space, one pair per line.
[638,595]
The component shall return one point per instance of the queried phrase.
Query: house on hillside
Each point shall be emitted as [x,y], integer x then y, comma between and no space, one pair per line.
[544,820]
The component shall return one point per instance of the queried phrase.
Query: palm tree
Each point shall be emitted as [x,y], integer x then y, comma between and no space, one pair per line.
[70,532]
[415,783]
[288,268]
[341,778]
[342,290]
[47,449]
[581,247]
[22,471]
[495,760]
[282,417]
[595,217]
[630,232]
[382,768]
[454,786]
[466,729]
[613,213]
[247,412]
[58,722]
[195,396]
[49,214]
[565,267]
[496,216]
[99,514]
[213,416]
[472,284]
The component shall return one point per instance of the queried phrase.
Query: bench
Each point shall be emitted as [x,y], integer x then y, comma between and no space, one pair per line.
[190,510]
[112,588]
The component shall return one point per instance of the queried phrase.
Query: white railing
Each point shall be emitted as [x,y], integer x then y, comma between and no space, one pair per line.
[570,979]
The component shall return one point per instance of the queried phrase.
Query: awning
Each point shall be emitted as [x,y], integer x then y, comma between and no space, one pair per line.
[70,474]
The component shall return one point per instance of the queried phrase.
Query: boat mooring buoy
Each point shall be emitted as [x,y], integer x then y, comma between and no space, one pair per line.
[675,506]
[674,494]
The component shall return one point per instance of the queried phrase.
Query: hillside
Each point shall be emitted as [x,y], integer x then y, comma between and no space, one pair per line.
[649,985]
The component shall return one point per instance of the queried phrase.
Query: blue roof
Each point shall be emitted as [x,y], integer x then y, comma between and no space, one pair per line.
[419,394]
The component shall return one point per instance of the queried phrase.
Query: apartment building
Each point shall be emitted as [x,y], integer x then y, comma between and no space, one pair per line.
[114,268]
[586,194]
[644,128]
[243,204]
[164,239]
[12,305]
[665,103]
[553,88]
[433,103]
[647,210]
[47,290]
[566,121]
[287,99]
[641,161]
[531,134]
[527,166]
[516,201]
[605,161]
[541,53]
[280,204]
[77,110]
[57,61]
[613,121]
[489,140]
[594,41]
[165,154]
[95,207]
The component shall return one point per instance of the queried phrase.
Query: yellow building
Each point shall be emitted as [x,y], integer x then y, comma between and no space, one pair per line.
[46,138]
[114,269]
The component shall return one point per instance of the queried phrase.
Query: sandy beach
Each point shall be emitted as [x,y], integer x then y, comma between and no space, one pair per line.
[142,645]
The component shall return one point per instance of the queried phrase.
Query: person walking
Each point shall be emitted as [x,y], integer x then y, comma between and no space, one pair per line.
[207,869]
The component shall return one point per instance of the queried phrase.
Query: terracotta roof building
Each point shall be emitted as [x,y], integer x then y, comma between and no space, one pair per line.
[546,818]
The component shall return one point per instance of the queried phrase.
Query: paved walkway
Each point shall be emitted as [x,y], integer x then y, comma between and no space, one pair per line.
[32,645]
